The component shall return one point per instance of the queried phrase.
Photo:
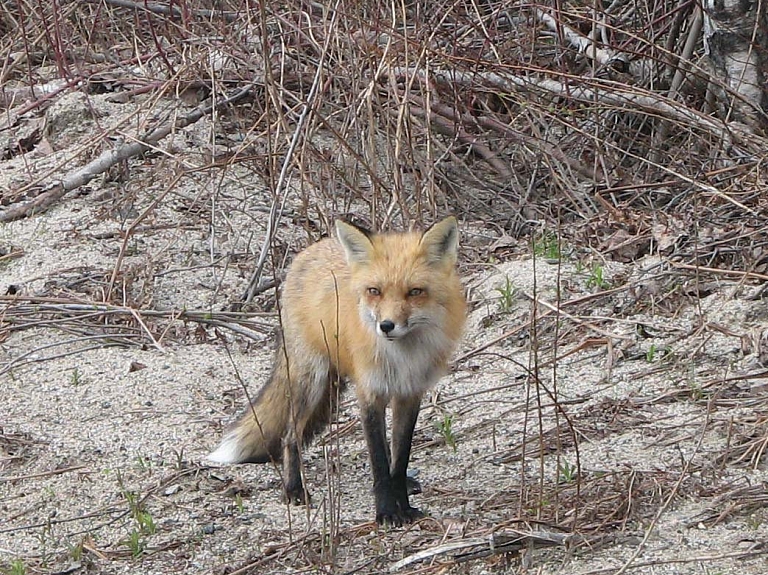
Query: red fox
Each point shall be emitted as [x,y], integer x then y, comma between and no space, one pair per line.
[384,311]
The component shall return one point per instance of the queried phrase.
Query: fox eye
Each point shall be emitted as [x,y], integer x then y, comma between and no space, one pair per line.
[374,291]
[413,292]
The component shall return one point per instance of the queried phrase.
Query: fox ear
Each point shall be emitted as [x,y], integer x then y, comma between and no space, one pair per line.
[355,241]
[442,241]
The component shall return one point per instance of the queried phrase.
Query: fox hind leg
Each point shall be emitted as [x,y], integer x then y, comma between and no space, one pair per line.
[311,406]
[293,485]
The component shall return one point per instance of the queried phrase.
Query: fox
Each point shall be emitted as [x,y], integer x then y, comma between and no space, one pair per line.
[382,311]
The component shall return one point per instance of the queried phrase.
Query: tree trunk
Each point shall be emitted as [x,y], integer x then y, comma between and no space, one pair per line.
[735,41]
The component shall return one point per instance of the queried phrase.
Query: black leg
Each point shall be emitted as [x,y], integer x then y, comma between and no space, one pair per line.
[387,510]
[405,411]
[294,488]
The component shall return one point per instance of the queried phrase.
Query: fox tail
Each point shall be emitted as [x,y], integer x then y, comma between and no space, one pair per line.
[282,414]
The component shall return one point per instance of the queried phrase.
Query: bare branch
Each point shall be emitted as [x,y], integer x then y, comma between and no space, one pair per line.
[112,157]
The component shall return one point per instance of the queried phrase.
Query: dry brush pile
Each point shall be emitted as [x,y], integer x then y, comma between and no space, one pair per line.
[519,111]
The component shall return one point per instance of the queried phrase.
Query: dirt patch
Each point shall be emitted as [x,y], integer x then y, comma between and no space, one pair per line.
[637,423]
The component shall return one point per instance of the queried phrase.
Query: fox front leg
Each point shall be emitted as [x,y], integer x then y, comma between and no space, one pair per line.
[405,411]
[413,485]
[374,426]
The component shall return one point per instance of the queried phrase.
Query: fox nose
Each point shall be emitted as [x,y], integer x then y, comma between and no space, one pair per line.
[386,326]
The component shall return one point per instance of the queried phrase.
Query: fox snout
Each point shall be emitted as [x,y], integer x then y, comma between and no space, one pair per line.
[391,330]
[387,326]
[388,316]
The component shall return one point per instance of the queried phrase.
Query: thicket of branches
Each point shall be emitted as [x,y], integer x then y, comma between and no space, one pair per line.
[609,116]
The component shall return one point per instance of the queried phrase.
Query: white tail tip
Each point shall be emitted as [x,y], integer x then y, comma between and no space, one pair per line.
[226,452]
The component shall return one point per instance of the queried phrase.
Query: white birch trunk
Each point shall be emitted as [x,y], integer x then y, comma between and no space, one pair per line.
[735,42]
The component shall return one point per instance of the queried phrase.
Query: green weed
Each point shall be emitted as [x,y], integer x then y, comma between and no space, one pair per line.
[75,551]
[17,567]
[658,353]
[77,378]
[596,278]
[136,543]
[446,430]
[144,523]
[567,472]
[507,294]
[546,244]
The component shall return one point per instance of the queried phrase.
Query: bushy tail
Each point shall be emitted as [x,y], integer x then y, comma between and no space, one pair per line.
[257,436]
[282,414]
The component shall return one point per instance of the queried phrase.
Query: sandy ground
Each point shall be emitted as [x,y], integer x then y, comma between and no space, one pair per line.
[653,455]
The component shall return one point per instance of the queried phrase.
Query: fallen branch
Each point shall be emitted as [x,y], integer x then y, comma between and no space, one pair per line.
[440,122]
[12,478]
[113,156]
[243,324]
[155,8]
[581,43]
[508,541]
[88,319]
[606,92]
[705,269]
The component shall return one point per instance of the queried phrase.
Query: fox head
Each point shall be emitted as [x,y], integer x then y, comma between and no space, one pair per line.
[404,282]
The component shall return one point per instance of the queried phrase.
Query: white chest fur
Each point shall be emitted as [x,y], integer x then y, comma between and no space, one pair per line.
[407,367]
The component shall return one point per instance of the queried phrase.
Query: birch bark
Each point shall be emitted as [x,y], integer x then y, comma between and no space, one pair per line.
[736,40]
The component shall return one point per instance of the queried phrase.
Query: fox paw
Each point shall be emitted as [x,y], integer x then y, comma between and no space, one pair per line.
[399,517]
[296,496]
